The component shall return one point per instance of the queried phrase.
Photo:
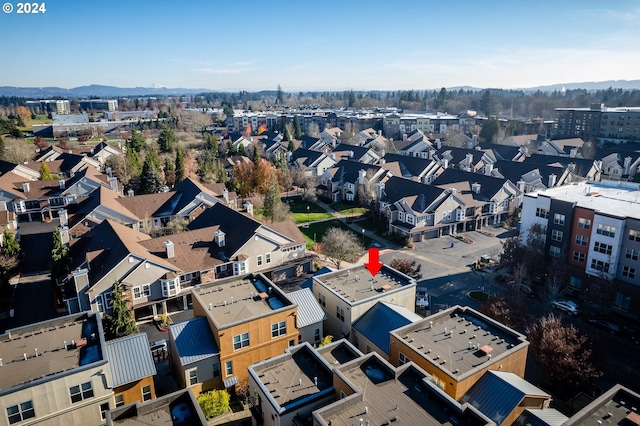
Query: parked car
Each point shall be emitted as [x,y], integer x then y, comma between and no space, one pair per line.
[568,306]
[158,346]
[609,326]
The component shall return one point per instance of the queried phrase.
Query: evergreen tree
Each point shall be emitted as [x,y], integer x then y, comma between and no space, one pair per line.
[169,172]
[291,147]
[297,132]
[134,160]
[279,96]
[137,141]
[231,148]
[241,150]
[212,145]
[45,172]
[59,255]
[10,245]
[287,136]
[352,99]
[179,165]
[167,140]
[120,322]
[150,182]
[272,198]
[1,147]
[256,154]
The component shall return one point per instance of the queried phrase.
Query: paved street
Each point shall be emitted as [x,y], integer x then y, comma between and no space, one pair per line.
[33,301]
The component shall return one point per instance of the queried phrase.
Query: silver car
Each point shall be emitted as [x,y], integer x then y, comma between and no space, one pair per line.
[568,306]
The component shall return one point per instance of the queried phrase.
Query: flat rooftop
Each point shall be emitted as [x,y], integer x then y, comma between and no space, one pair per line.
[61,345]
[296,378]
[617,406]
[339,352]
[177,409]
[389,396]
[239,300]
[620,199]
[460,340]
[356,284]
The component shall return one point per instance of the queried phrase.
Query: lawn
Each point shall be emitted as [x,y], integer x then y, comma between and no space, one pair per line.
[316,231]
[300,215]
[347,209]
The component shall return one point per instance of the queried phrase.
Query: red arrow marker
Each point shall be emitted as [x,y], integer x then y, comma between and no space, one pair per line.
[374,264]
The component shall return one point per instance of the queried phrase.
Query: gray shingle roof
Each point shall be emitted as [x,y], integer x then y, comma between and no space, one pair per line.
[130,359]
[378,321]
[194,340]
[309,311]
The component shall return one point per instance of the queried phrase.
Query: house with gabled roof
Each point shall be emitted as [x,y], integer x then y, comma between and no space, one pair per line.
[416,144]
[312,163]
[357,153]
[470,160]
[342,181]
[310,316]
[415,168]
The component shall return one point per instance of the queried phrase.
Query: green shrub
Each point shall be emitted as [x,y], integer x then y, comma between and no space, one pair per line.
[214,403]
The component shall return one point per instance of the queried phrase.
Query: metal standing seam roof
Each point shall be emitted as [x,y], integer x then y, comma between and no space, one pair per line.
[498,393]
[130,359]
[194,340]
[377,322]
[309,310]
[545,417]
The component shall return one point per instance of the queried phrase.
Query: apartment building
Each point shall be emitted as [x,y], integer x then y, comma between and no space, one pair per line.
[595,228]
[598,122]
[347,294]
[457,347]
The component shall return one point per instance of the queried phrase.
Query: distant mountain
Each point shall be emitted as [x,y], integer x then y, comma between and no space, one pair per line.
[94,90]
[158,90]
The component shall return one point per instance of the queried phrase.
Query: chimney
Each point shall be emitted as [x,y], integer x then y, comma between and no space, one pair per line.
[361,176]
[572,167]
[169,249]
[488,168]
[552,180]
[573,152]
[113,182]
[520,184]
[64,217]
[62,183]
[475,187]
[248,207]
[109,171]
[469,158]
[382,161]
[225,194]
[350,154]
[445,163]
[438,143]
[130,193]
[64,234]
[218,237]
[404,136]
[25,187]
[165,188]
[379,190]
[627,165]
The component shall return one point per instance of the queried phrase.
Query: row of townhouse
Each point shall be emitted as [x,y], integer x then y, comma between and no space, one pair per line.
[220,242]
[595,228]
[62,372]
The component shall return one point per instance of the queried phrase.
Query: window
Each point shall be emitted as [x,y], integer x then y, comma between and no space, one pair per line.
[446,216]
[267,258]
[20,412]
[322,300]
[602,248]
[100,303]
[228,368]
[634,235]
[402,359]
[103,410]
[584,223]
[240,341]
[543,213]
[582,240]
[316,335]
[622,302]
[146,393]
[278,329]
[575,283]
[136,293]
[340,313]
[342,395]
[607,231]
[629,272]
[108,300]
[80,393]
[578,256]
[558,219]
[119,400]
[216,369]
[193,377]
[631,254]
[599,265]
[259,258]
[554,251]
[145,290]
[556,235]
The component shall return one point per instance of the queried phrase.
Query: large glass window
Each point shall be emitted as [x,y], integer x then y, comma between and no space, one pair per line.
[558,219]
[542,213]
[584,223]
[582,240]
[340,313]
[240,341]
[634,235]
[82,392]
[602,248]
[606,230]
[599,265]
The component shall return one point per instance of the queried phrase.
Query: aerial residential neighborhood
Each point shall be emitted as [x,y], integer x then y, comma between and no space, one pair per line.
[270,214]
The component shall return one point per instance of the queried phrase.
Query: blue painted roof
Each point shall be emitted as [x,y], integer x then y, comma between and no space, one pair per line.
[194,340]
[377,322]
[498,393]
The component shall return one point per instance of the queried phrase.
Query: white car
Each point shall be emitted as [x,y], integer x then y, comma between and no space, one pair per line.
[566,305]
[158,346]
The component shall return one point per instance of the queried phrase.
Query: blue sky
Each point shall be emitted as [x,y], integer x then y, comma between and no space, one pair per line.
[320,45]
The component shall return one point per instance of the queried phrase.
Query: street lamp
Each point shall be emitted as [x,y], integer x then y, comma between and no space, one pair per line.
[308,219]
[363,236]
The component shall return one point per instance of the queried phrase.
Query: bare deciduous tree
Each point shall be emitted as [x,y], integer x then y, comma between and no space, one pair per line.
[340,245]
[510,312]
[407,267]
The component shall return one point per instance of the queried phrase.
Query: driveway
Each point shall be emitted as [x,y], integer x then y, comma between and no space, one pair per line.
[35,241]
